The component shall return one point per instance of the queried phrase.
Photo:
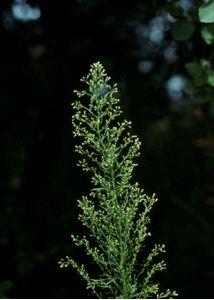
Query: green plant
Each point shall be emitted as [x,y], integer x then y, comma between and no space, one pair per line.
[116,211]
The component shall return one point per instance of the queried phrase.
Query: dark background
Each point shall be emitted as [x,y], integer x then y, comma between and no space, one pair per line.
[42,59]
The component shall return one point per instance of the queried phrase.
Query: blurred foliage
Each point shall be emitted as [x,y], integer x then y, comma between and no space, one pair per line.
[182,30]
[206,12]
[207,33]
[145,46]
[4,287]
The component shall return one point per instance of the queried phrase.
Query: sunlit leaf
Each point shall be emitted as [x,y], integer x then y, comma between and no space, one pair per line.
[210,78]
[206,12]
[207,33]
[205,63]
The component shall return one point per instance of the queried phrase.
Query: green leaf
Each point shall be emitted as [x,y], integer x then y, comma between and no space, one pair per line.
[182,30]
[201,72]
[210,78]
[5,286]
[189,88]
[197,72]
[206,12]
[207,33]
[174,9]
[205,63]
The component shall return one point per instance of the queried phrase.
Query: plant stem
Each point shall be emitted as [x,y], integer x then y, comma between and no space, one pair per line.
[115,212]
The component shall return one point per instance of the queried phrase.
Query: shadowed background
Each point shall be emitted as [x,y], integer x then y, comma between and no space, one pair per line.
[145,46]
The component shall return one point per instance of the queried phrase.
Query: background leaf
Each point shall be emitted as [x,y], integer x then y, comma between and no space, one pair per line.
[207,33]
[197,72]
[174,9]
[206,13]
[210,78]
[182,30]
[5,286]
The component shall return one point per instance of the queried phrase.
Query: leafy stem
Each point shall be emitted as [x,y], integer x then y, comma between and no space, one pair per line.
[115,213]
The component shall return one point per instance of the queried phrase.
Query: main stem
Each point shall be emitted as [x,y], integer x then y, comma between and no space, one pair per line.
[122,270]
[122,263]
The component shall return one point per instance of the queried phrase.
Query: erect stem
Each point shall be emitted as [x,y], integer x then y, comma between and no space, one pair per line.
[119,215]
